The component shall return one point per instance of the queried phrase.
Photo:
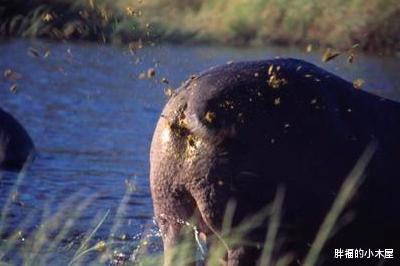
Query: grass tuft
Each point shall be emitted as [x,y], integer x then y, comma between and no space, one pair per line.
[39,247]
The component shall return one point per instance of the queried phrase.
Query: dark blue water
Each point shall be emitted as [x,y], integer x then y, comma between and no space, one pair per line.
[92,119]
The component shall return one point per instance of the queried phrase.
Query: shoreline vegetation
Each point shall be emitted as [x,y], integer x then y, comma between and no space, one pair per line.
[373,24]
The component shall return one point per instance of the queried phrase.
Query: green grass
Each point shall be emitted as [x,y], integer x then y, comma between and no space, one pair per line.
[374,24]
[340,23]
[42,245]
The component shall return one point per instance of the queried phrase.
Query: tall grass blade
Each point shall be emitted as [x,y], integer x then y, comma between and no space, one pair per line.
[347,190]
[273,226]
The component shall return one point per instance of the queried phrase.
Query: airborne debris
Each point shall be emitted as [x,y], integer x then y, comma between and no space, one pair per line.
[169,92]
[142,75]
[210,117]
[164,80]
[47,53]
[274,80]
[7,73]
[33,52]
[68,56]
[270,69]
[12,75]
[277,101]
[351,52]
[151,72]
[309,48]
[227,104]
[350,58]
[358,83]
[329,54]
[14,88]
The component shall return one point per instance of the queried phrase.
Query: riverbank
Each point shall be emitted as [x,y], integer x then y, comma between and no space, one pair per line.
[373,24]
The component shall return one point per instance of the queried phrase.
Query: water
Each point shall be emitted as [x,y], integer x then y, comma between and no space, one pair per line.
[92,120]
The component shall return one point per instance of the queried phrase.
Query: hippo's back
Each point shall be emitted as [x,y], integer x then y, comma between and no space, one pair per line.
[241,130]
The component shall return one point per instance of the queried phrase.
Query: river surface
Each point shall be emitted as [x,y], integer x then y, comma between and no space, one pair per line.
[92,119]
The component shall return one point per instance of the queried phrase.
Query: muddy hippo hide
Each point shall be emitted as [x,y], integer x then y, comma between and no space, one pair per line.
[16,147]
[238,131]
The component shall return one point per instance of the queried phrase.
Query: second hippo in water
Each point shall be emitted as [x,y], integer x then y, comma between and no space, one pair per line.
[16,146]
[238,131]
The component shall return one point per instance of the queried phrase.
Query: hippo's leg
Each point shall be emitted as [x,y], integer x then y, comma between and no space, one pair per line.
[174,209]
[173,212]
[213,203]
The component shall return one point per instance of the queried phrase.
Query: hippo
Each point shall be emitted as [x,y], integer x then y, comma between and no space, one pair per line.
[16,146]
[239,132]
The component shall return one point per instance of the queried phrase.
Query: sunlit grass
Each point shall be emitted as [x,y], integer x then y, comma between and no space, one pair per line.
[372,23]
[40,246]
[338,23]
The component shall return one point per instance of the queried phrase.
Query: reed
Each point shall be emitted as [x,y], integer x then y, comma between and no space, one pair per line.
[373,24]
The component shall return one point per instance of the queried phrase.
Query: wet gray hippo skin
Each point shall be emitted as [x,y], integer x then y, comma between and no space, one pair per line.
[240,130]
[15,144]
